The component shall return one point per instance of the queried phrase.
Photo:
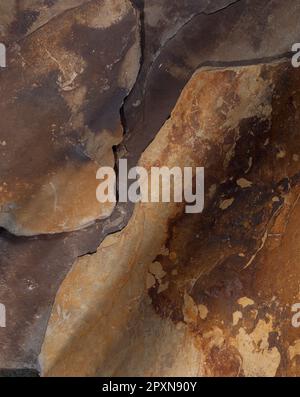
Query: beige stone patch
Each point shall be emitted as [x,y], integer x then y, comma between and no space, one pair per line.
[236,317]
[156,269]
[226,204]
[203,312]
[244,183]
[190,310]
[258,358]
[244,302]
[275,199]
[294,350]
[255,86]
[281,154]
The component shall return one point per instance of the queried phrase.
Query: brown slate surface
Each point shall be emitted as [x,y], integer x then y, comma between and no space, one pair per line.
[33,268]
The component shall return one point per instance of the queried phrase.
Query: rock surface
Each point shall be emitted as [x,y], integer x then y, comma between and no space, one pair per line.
[208,310]
[20,18]
[33,268]
[61,95]
[242,33]
[162,21]
[173,294]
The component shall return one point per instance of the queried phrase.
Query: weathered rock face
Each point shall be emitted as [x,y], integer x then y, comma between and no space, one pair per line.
[170,294]
[242,33]
[172,283]
[162,22]
[61,95]
[33,268]
[21,17]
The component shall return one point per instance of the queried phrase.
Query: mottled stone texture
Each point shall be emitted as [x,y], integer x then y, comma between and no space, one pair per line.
[19,18]
[155,291]
[199,295]
[61,95]
[242,33]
